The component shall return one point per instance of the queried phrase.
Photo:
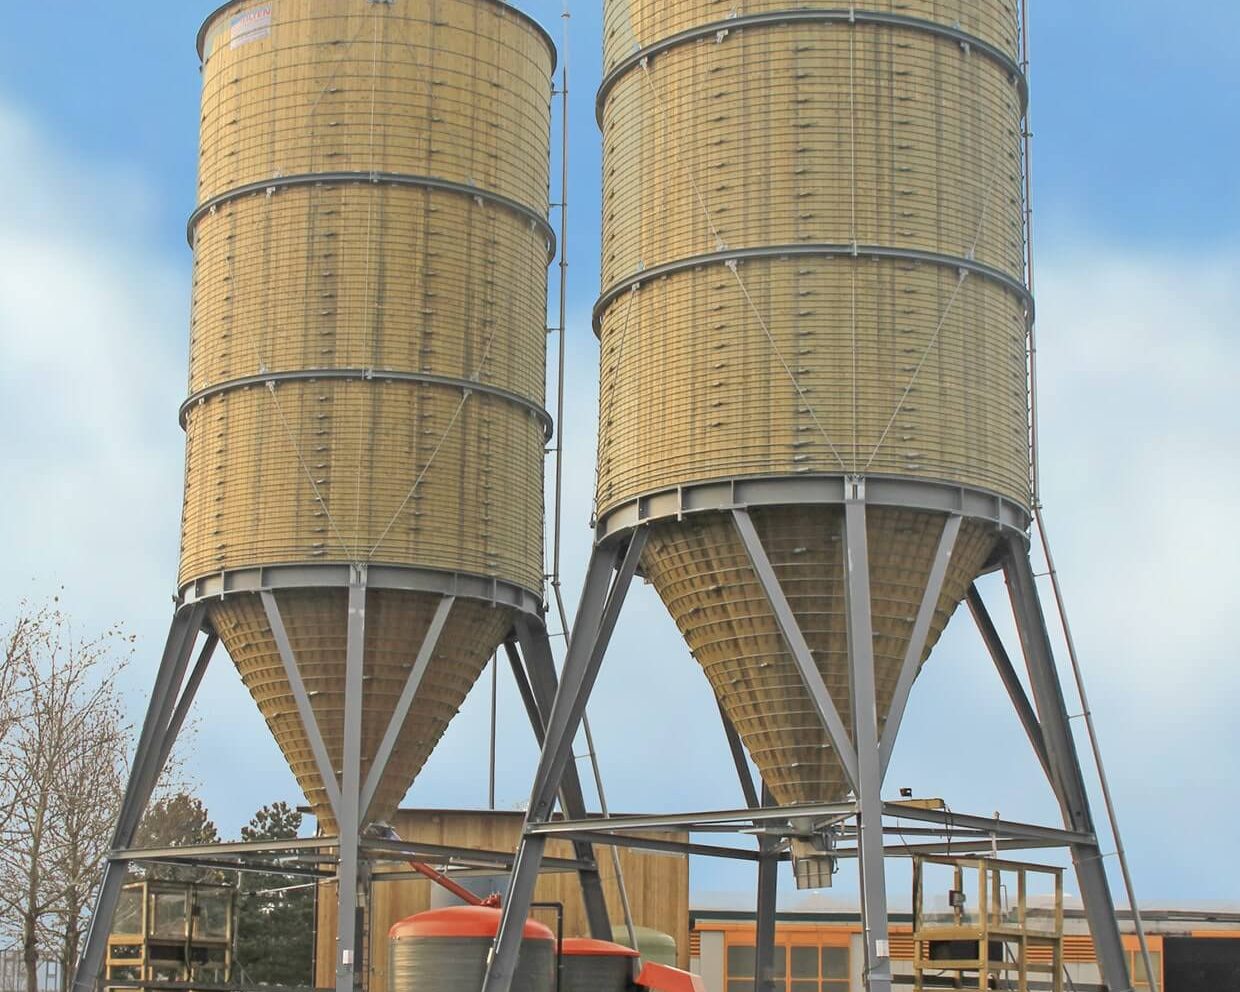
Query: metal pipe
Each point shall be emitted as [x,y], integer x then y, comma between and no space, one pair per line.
[1096,748]
[557,530]
[560,358]
[494,727]
[1035,469]
[442,880]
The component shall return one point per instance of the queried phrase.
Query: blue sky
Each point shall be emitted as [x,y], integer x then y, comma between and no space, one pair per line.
[1139,287]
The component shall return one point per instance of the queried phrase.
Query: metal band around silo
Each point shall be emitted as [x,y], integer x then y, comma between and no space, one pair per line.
[339,575]
[369,375]
[715,29]
[517,12]
[969,265]
[265,186]
[725,495]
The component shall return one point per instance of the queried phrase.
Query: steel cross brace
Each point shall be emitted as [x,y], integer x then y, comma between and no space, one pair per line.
[1067,778]
[538,684]
[169,705]
[608,578]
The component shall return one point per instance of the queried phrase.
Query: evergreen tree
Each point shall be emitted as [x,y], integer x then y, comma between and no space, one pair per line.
[179,820]
[275,938]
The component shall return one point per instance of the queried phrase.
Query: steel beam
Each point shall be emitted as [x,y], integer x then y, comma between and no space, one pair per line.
[739,759]
[192,684]
[992,826]
[954,263]
[304,707]
[525,691]
[368,375]
[1011,681]
[662,846]
[869,777]
[441,854]
[768,905]
[720,29]
[148,765]
[414,681]
[752,492]
[1067,778]
[794,640]
[601,602]
[543,685]
[966,848]
[317,179]
[243,867]
[920,634]
[697,821]
[334,575]
[230,849]
[348,813]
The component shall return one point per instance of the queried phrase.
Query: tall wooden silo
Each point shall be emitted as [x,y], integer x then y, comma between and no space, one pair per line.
[814,402]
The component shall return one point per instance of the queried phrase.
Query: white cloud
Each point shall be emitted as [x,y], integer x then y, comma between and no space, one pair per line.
[93,338]
[1142,467]
[91,346]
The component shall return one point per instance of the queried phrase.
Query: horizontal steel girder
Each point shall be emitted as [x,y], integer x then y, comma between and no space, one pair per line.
[717,30]
[751,492]
[337,575]
[963,827]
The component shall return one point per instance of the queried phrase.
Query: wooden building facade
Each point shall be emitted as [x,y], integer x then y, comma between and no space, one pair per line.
[657,886]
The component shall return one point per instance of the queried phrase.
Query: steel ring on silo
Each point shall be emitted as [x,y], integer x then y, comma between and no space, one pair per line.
[370,375]
[517,12]
[251,579]
[966,41]
[988,272]
[536,220]
[723,495]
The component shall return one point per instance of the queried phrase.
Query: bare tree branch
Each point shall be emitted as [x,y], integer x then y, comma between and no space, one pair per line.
[62,771]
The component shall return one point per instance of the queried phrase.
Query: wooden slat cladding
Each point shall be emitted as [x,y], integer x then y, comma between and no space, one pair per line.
[702,573]
[860,184]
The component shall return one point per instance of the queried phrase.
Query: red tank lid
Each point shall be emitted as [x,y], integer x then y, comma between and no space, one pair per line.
[462,921]
[584,947]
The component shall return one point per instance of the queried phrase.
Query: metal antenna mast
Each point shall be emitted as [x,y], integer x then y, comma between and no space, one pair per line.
[557,528]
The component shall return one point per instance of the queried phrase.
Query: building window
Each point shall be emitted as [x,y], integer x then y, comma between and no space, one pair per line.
[1136,968]
[798,968]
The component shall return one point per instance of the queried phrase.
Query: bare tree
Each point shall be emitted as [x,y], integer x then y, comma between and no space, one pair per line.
[61,768]
[20,645]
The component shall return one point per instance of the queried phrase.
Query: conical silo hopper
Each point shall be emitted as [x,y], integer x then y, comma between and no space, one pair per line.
[367,362]
[813,285]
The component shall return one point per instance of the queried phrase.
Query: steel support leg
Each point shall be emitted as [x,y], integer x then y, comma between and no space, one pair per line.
[601,602]
[797,646]
[768,905]
[917,639]
[1011,681]
[865,735]
[1067,778]
[543,685]
[348,816]
[737,748]
[413,682]
[165,716]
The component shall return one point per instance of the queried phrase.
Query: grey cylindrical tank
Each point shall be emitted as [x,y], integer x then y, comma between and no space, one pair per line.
[445,950]
[595,966]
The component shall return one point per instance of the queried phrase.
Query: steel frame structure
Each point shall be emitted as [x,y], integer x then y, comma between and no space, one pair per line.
[350,856]
[866,823]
